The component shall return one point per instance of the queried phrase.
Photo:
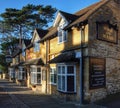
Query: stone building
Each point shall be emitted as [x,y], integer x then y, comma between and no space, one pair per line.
[93,35]
[80,54]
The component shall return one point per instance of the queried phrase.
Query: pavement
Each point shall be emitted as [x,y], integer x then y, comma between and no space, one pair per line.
[15,96]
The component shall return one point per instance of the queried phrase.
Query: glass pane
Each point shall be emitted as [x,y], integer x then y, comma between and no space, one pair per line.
[59,70]
[70,83]
[63,83]
[59,82]
[52,78]
[55,78]
[38,69]
[50,70]
[63,69]
[23,69]
[60,35]
[70,69]
[64,36]
[23,75]
[32,78]
[38,78]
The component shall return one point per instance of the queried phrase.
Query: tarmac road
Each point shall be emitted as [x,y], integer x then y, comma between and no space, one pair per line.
[15,96]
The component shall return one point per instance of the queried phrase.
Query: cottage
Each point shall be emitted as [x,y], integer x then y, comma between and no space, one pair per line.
[35,62]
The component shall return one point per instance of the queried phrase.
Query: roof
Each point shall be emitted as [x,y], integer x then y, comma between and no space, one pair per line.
[51,32]
[38,61]
[29,46]
[17,52]
[64,58]
[76,18]
[85,13]
[68,16]
[41,32]
[27,42]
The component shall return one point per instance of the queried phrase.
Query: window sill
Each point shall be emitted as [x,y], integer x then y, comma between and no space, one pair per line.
[36,84]
[66,92]
[53,84]
[62,42]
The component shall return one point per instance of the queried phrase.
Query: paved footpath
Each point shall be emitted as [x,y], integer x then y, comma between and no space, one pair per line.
[14,96]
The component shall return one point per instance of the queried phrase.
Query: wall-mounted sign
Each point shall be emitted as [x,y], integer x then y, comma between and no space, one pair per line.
[107,32]
[8,58]
[97,75]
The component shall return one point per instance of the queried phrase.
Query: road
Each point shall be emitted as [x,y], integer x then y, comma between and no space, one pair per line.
[15,96]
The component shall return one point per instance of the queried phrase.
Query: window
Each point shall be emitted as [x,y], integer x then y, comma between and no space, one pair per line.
[36,47]
[11,73]
[66,78]
[35,75]
[23,51]
[62,35]
[53,76]
[21,74]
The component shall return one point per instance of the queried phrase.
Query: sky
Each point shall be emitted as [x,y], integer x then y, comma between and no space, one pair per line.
[70,6]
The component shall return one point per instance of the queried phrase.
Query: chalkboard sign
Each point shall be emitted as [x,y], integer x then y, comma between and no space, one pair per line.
[97,76]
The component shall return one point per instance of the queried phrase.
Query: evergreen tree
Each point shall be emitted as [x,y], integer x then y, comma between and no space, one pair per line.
[24,21]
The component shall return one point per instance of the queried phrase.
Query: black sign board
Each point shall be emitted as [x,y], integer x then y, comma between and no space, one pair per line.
[107,32]
[97,76]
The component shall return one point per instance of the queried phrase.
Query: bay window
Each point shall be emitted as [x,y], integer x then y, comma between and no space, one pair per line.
[11,73]
[21,73]
[35,75]
[66,78]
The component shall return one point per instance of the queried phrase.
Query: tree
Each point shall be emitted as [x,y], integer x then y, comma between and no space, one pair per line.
[7,47]
[23,21]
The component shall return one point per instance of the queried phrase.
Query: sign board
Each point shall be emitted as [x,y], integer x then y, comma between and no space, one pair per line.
[78,54]
[8,58]
[107,32]
[97,75]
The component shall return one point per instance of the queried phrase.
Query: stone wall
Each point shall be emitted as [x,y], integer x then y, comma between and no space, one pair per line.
[105,49]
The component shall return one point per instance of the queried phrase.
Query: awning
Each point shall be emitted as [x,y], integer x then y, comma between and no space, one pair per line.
[65,58]
[34,62]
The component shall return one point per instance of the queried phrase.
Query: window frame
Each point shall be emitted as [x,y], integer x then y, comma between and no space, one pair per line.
[12,73]
[20,75]
[36,47]
[54,73]
[66,75]
[62,35]
[34,79]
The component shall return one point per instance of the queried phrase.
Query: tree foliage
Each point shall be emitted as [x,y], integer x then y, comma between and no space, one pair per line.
[23,21]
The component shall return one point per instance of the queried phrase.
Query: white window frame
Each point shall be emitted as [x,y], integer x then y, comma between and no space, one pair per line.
[53,73]
[20,74]
[33,73]
[11,73]
[62,35]
[65,74]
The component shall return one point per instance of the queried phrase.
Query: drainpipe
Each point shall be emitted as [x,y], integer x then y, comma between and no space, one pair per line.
[81,66]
